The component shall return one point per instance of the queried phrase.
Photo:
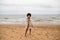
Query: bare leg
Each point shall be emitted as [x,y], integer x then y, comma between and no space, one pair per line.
[26,31]
[30,31]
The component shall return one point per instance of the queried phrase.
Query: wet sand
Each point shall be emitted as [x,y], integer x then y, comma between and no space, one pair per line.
[39,32]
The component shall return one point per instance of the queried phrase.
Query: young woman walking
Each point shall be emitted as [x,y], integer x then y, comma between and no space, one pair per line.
[29,24]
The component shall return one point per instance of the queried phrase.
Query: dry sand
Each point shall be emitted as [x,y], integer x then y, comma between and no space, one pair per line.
[39,32]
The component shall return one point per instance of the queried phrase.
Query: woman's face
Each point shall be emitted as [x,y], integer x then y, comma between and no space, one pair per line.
[28,16]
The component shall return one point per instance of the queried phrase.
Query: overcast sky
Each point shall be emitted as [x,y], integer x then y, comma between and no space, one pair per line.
[32,6]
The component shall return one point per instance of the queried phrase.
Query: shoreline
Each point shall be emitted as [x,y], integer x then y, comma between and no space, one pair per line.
[34,23]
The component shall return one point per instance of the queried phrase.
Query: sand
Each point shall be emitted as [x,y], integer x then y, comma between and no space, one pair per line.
[39,32]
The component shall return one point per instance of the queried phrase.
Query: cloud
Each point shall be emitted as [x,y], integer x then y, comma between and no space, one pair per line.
[46,6]
[34,6]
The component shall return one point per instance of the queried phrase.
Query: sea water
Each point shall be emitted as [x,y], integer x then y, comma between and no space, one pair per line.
[21,19]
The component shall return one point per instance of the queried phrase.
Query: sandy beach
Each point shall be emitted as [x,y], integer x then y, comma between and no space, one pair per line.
[39,32]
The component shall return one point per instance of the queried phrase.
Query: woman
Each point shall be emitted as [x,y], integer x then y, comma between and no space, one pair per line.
[29,24]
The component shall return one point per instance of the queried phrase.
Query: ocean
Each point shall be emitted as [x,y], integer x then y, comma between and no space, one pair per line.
[38,18]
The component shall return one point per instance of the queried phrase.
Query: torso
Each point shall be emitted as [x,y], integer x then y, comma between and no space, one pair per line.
[28,22]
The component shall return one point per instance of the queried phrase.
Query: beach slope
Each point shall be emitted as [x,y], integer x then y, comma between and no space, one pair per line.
[39,32]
